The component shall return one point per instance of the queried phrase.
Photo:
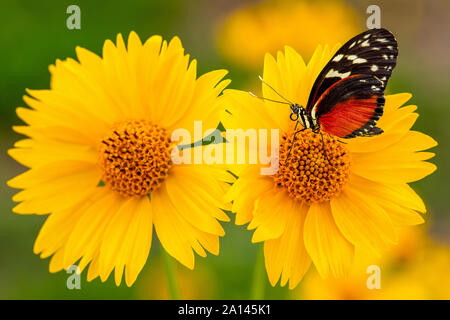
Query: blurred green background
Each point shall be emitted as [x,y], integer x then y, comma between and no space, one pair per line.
[34,34]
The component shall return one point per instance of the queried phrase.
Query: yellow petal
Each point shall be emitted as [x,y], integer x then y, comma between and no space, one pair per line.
[387,169]
[59,225]
[273,77]
[111,248]
[247,112]
[270,215]
[145,73]
[287,256]
[362,221]
[56,262]
[88,232]
[41,152]
[75,90]
[93,271]
[395,101]
[385,192]
[402,216]
[194,209]
[176,235]
[127,241]
[206,184]
[138,241]
[53,187]
[327,247]
[204,104]
[417,141]
[398,163]
[244,193]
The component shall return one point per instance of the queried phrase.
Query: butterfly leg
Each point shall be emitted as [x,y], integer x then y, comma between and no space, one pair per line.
[293,138]
[323,146]
[329,135]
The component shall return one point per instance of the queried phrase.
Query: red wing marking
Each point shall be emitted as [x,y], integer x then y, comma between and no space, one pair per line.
[349,116]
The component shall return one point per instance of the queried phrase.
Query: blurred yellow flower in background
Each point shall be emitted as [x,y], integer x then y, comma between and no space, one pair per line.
[98,153]
[251,31]
[318,208]
[415,269]
[200,283]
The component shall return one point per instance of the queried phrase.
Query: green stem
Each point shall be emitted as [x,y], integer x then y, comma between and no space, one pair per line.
[259,277]
[171,277]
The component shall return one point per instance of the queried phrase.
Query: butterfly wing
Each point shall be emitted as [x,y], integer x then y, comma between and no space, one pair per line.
[351,107]
[372,52]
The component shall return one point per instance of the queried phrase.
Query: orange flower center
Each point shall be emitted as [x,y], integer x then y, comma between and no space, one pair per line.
[135,157]
[313,172]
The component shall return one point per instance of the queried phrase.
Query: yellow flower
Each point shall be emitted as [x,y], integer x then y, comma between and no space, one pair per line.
[247,34]
[319,208]
[403,274]
[100,163]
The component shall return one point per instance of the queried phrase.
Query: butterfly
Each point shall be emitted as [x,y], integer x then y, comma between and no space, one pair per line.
[347,97]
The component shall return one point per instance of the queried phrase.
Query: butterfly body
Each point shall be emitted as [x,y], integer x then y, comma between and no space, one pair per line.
[298,113]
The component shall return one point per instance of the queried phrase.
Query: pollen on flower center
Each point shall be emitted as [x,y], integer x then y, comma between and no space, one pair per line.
[135,157]
[310,175]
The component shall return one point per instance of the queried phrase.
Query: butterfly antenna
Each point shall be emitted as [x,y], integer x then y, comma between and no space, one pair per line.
[262,98]
[260,78]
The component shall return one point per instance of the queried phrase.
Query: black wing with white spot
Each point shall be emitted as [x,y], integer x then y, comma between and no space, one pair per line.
[373,52]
